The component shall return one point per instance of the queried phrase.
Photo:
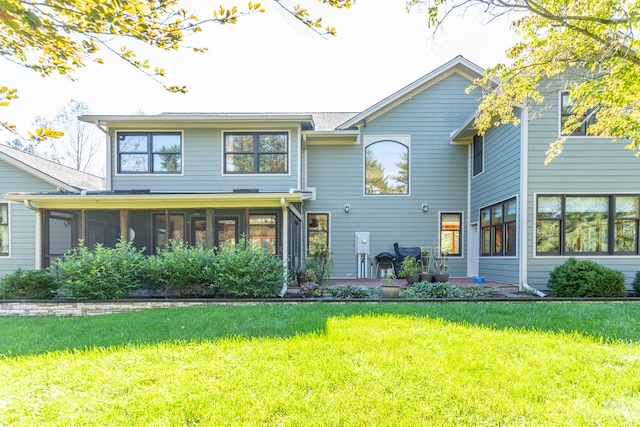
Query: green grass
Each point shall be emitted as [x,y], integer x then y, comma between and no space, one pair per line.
[404,364]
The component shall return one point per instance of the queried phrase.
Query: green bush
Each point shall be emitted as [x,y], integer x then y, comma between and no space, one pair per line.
[101,273]
[586,278]
[39,284]
[246,271]
[636,284]
[431,290]
[350,291]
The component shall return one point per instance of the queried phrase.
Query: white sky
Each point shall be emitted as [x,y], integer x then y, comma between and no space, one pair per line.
[269,62]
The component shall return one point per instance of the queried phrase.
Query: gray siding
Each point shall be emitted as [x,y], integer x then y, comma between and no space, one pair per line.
[587,166]
[438,177]
[499,181]
[202,164]
[22,221]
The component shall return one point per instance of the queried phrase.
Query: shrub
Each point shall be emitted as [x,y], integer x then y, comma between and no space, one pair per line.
[350,291]
[310,290]
[431,290]
[38,284]
[585,278]
[101,273]
[246,271]
[636,284]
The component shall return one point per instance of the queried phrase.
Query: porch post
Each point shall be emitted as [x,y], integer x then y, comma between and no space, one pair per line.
[285,246]
[124,225]
[209,228]
[83,225]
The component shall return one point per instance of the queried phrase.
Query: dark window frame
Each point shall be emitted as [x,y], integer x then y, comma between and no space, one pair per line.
[612,220]
[256,153]
[499,231]
[443,250]
[478,155]
[149,153]
[566,107]
[311,230]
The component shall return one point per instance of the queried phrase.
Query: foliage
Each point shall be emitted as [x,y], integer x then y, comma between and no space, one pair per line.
[319,264]
[238,366]
[310,290]
[440,263]
[100,273]
[410,266]
[38,284]
[350,291]
[585,278]
[595,40]
[431,290]
[636,284]
[246,271]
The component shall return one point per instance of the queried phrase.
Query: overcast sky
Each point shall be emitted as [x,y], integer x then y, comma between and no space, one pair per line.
[269,62]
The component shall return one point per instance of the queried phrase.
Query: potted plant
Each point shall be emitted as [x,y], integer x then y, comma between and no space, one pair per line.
[440,264]
[388,288]
[410,269]
[426,275]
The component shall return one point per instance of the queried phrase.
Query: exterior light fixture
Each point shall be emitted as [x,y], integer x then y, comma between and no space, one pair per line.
[347,208]
[425,207]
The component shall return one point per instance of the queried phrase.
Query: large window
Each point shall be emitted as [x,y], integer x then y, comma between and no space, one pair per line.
[386,168]
[499,228]
[478,154]
[150,152]
[256,152]
[579,224]
[4,229]
[262,231]
[578,125]
[450,227]
[317,232]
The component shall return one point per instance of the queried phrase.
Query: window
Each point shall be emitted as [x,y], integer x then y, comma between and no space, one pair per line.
[256,152]
[386,168]
[262,231]
[4,229]
[567,116]
[450,227]
[167,228]
[578,224]
[498,229]
[478,154]
[317,232]
[150,152]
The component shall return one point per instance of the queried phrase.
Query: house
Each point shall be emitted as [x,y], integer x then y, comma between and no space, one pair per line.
[22,244]
[410,169]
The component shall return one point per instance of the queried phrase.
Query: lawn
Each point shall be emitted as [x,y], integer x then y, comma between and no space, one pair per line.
[403,364]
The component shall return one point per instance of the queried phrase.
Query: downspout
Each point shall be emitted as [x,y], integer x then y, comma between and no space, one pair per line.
[107,166]
[38,249]
[524,205]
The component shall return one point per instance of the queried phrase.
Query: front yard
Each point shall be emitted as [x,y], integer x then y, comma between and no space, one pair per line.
[339,364]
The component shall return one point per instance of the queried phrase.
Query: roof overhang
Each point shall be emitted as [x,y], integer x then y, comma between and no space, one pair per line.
[333,137]
[193,119]
[66,201]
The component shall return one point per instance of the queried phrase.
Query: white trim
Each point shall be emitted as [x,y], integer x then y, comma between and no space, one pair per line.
[255,130]
[524,201]
[367,140]
[8,255]
[150,173]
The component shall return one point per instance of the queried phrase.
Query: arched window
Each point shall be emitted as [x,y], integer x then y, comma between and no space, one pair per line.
[386,168]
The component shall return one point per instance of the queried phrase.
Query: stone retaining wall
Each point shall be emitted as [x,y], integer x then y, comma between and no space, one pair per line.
[89,308]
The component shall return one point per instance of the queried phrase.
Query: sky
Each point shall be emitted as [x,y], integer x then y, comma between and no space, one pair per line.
[271,63]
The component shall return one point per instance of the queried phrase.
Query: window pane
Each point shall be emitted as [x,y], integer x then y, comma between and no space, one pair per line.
[239,162]
[586,228]
[626,239]
[4,217]
[134,163]
[4,228]
[627,207]
[132,143]
[549,207]
[167,162]
[510,210]
[272,143]
[496,214]
[450,233]
[387,168]
[510,239]
[498,239]
[166,143]
[262,231]
[485,217]
[486,241]
[548,237]
[226,231]
[273,162]
[238,143]
[477,154]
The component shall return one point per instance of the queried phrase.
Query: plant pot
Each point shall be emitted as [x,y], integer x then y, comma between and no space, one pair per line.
[390,291]
[413,278]
[426,277]
[442,277]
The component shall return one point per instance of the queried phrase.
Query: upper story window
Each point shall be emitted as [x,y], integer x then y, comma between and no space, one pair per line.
[386,170]
[478,154]
[4,229]
[149,152]
[256,152]
[579,125]
[580,224]
[498,228]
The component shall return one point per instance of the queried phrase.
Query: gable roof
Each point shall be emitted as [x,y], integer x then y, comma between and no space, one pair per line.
[53,173]
[459,65]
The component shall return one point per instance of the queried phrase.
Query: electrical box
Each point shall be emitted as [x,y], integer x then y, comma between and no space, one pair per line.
[362,243]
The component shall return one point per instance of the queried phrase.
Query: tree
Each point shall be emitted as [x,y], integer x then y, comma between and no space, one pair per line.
[80,147]
[593,43]
[60,36]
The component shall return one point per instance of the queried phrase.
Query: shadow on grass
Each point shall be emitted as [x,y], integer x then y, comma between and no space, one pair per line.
[37,335]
